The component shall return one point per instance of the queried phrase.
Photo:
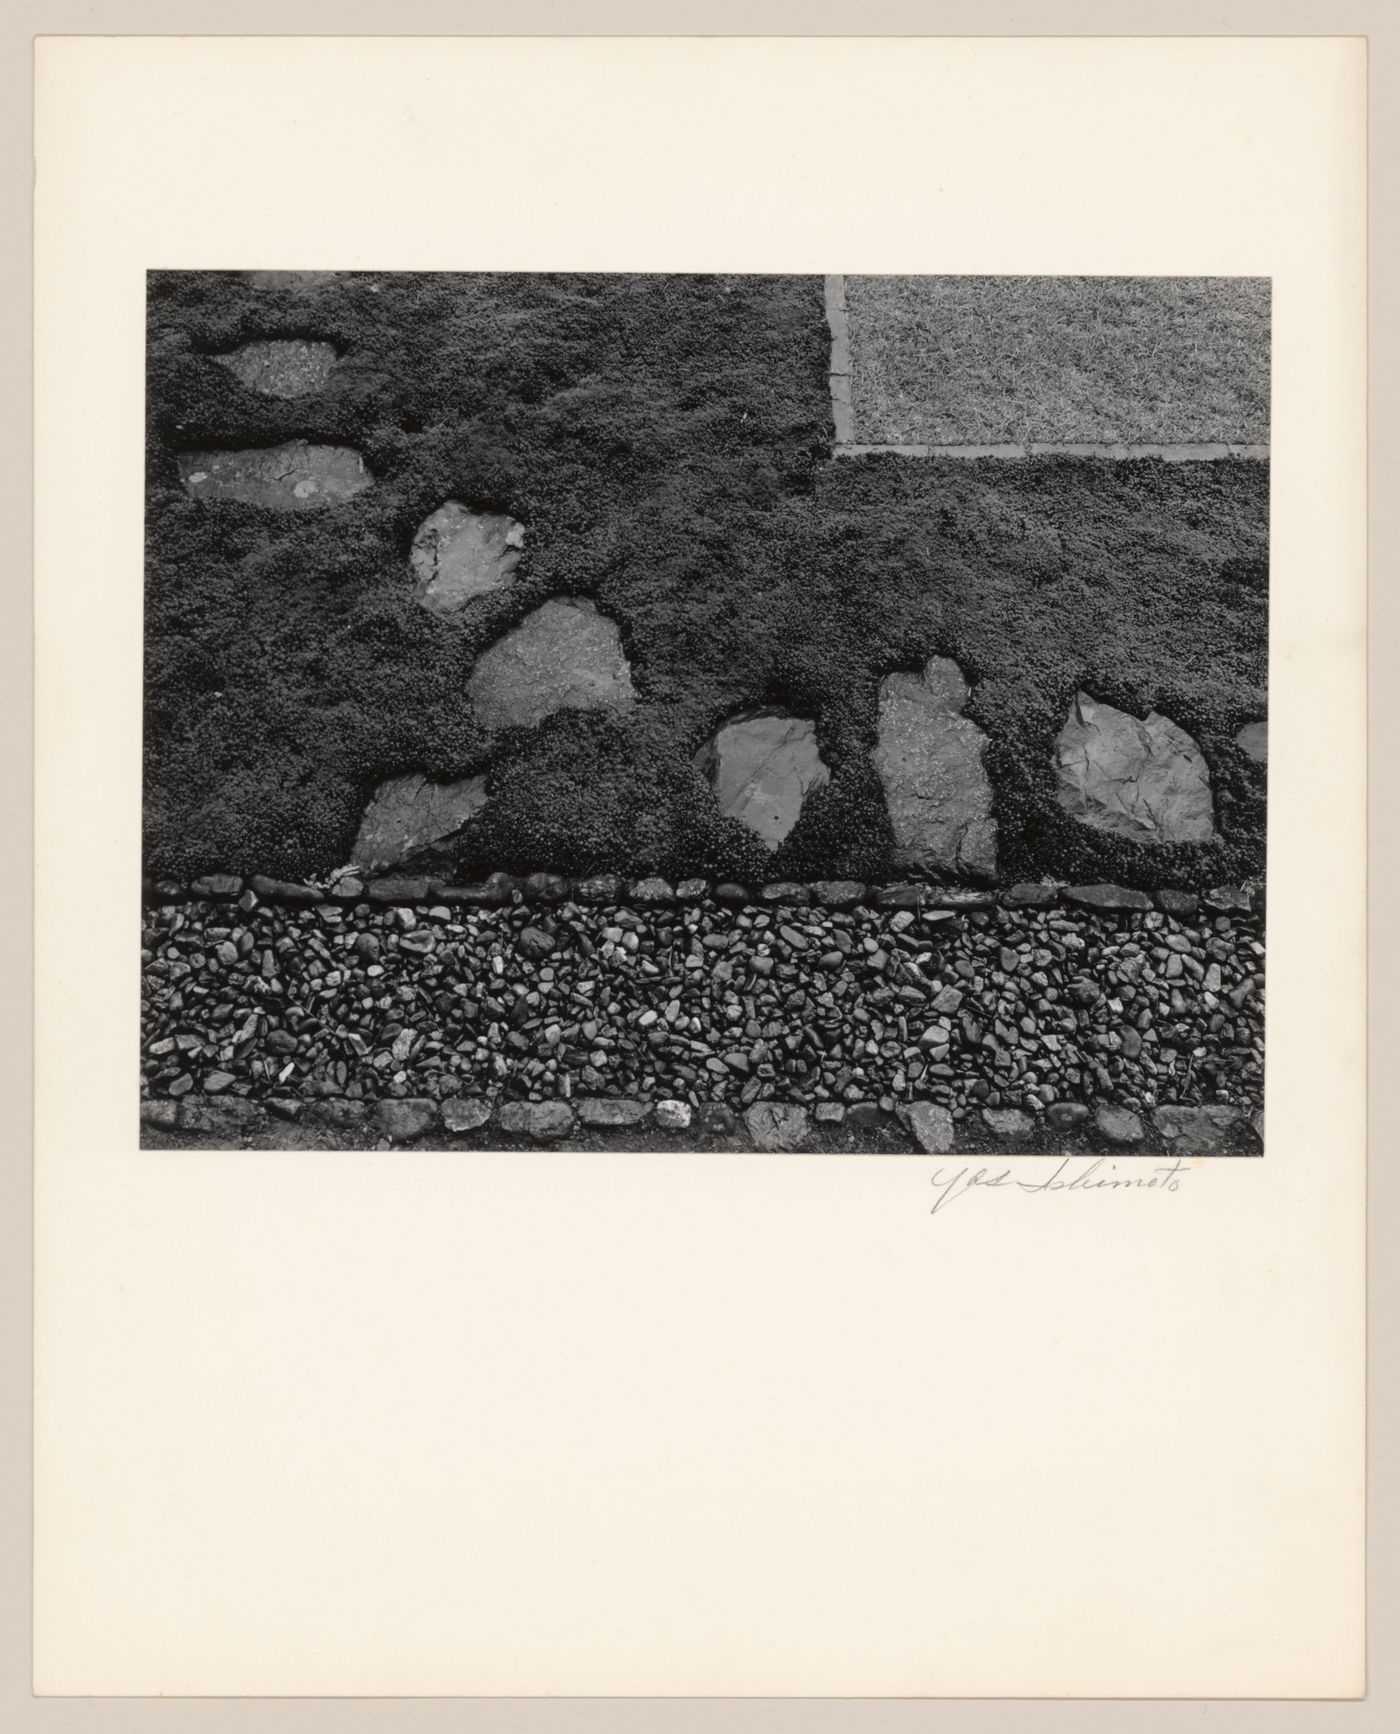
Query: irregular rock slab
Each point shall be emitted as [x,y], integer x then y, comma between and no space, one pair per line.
[288,279]
[536,1119]
[1106,897]
[1008,1124]
[776,1125]
[291,478]
[611,1111]
[459,554]
[564,656]
[932,1127]
[404,1117]
[1253,739]
[465,1113]
[1203,1131]
[762,765]
[1136,779]
[672,1116]
[1119,1125]
[410,813]
[281,366]
[929,759]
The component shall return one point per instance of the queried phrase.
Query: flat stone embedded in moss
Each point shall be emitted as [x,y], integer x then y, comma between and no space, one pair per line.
[281,366]
[459,554]
[289,279]
[294,477]
[564,656]
[409,814]
[929,758]
[1253,739]
[762,765]
[1145,780]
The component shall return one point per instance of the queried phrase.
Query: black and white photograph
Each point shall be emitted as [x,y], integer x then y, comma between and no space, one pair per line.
[706,713]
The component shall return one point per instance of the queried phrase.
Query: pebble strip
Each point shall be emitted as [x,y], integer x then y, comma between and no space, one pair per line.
[1034,1018]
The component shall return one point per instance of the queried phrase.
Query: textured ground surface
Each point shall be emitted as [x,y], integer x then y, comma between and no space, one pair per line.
[1026,1012]
[665,444]
[1142,360]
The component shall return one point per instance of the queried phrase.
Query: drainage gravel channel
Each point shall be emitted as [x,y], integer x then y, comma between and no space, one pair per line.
[1042,1020]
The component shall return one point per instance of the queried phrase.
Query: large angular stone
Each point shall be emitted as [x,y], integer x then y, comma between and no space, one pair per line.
[776,1125]
[564,656]
[929,758]
[291,478]
[281,366]
[1253,739]
[409,814]
[1145,780]
[459,554]
[762,765]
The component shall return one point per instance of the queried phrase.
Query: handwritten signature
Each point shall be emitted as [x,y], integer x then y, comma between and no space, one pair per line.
[1072,1175]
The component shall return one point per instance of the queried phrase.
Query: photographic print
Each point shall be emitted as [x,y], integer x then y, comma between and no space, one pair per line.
[706,712]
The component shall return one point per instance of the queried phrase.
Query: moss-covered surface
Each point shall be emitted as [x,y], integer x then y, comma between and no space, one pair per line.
[664,440]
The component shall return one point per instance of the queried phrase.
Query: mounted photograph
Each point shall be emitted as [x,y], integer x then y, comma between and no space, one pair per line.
[706,713]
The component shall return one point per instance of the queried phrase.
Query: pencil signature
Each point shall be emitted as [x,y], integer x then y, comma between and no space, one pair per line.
[1100,1174]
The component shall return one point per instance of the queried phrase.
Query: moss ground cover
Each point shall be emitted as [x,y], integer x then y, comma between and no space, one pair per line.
[665,443]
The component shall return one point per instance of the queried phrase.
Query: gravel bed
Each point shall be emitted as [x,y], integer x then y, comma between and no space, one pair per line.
[1013,1023]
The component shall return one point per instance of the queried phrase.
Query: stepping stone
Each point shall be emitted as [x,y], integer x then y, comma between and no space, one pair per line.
[932,1127]
[410,813]
[1203,1131]
[564,656]
[281,367]
[1145,780]
[776,1125]
[929,758]
[1253,739]
[458,554]
[291,477]
[762,764]
[288,279]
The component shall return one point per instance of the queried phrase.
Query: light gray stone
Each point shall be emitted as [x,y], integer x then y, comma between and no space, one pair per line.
[459,554]
[1119,1125]
[409,814]
[564,656]
[536,1119]
[465,1113]
[929,758]
[762,765]
[1253,739]
[404,1117]
[776,1125]
[932,1127]
[281,366]
[1197,1131]
[294,477]
[1011,1125]
[672,1116]
[610,1111]
[1136,779]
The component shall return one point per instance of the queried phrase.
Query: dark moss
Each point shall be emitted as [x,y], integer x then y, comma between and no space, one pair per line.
[663,439]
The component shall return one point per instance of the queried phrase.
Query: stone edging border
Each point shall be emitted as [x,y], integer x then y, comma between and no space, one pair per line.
[845,445]
[1183,1129]
[501,890]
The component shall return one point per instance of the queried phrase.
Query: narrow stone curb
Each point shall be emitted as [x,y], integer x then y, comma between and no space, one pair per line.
[839,374]
[502,890]
[772,1124]
[1178,454]
[845,445]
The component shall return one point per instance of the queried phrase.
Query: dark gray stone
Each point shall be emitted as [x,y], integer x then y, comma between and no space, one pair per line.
[1197,1131]
[1107,897]
[217,885]
[1119,1125]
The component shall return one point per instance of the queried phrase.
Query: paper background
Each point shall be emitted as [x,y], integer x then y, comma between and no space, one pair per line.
[427,1424]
